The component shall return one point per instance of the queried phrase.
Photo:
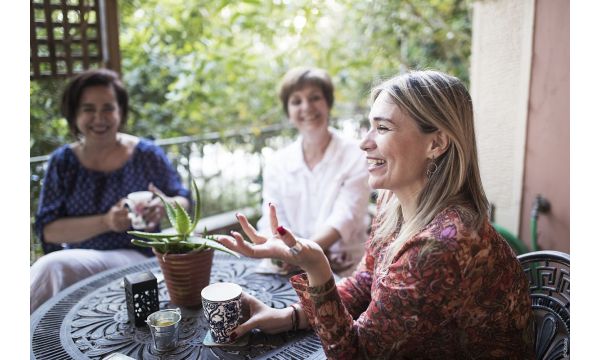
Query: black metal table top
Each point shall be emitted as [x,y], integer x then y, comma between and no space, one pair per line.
[89,319]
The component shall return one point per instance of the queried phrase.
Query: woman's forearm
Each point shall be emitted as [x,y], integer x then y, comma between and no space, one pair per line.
[319,272]
[75,229]
[302,319]
[326,237]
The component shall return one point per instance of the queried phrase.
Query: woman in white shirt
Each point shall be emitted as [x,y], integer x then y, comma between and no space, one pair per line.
[319,182]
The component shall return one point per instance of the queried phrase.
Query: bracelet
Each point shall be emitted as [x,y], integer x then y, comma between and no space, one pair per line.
[295,319]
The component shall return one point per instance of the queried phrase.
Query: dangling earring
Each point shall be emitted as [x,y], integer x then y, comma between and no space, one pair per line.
[432,168]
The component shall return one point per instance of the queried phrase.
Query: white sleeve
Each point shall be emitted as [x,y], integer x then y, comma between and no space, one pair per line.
[272,192]
[351,205]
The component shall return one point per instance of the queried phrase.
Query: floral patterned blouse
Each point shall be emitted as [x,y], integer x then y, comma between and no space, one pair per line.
[451,293]
[70,189]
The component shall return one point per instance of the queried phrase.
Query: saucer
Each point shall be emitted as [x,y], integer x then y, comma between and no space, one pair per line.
[243,341]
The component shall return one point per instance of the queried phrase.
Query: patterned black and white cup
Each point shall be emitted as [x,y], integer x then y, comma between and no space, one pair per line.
[222,306]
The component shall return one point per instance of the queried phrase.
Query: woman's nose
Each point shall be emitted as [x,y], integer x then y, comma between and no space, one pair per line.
[306,105]
[367,142]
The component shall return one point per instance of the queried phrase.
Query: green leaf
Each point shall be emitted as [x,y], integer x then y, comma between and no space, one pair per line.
[160,247]
[196,205]
[213,245]
[152,236]
[170,211]
[182,225]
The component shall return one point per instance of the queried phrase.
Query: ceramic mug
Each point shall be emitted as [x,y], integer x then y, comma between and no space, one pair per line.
[137,203]
[222,306]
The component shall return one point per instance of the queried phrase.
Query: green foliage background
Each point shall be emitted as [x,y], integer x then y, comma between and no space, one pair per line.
[194,66]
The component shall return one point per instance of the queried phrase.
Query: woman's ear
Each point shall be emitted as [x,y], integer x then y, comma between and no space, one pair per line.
[439,144]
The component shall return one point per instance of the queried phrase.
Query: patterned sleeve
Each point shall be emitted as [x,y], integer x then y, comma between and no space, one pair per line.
[166,177]
[51,204]
[412,300]
[355,290]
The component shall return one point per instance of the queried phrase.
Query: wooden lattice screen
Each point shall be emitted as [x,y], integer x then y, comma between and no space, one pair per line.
[69,36]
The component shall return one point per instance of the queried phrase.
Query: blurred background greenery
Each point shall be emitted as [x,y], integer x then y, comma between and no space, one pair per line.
[206,72]
[198,66]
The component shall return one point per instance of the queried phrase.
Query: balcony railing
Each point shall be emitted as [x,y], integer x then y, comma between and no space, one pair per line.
[226,166]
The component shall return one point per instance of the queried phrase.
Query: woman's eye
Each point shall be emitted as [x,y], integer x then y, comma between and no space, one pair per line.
[381,128]
[88,110]
[315,98]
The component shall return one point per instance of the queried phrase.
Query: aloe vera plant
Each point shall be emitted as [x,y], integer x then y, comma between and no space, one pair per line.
[183,240]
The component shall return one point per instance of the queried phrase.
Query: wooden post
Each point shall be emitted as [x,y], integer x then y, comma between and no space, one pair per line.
[111,31]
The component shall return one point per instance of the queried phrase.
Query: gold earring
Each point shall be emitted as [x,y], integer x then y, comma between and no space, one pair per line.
[432,168]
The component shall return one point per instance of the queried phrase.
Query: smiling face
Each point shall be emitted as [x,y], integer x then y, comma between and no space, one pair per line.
[98,114]
[308,110]
[397,151]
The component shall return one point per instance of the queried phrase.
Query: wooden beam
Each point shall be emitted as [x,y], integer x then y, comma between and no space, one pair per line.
[111,31]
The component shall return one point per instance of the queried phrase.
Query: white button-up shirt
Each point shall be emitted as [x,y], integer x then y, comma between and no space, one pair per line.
[334,193]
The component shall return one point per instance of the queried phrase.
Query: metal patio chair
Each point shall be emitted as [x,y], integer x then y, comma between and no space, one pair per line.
[549,286]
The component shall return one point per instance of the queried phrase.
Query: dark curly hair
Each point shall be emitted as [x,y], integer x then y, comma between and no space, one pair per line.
[94,77]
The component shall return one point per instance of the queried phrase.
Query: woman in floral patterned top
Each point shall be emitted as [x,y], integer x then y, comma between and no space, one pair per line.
[437,281]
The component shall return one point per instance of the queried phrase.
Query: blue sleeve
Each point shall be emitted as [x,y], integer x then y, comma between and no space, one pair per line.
[51,204]
[166,177]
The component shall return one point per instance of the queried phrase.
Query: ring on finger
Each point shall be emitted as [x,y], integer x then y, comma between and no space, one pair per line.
[295,250]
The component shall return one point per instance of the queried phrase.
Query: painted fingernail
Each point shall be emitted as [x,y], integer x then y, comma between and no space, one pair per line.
[233,336]
[269,204]
[237,215]
[281,230]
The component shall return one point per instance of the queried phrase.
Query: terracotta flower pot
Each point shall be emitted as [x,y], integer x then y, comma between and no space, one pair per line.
[186,275]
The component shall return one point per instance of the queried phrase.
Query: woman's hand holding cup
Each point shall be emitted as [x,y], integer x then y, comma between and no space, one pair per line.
[117,217]
[155,210]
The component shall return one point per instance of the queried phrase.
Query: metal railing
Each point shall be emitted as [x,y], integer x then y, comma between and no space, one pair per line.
[226,166]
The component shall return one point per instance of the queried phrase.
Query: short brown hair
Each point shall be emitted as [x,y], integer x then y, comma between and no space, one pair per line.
[74,89]
[296,78]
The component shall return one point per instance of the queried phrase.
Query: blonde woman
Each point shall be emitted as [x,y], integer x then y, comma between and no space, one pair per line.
[436,281]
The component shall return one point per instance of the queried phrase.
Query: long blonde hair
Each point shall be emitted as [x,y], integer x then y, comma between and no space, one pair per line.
[435,101]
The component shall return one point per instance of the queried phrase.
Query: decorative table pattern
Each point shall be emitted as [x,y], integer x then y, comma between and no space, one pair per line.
[89,319]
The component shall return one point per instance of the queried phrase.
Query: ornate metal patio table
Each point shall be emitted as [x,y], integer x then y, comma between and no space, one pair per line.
[89,319]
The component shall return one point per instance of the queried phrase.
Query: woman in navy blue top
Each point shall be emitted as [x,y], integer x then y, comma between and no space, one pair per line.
[82,210]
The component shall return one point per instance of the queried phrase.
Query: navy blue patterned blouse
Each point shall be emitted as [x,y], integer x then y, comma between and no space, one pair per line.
[71,190]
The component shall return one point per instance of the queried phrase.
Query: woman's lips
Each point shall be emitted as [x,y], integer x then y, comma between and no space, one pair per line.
[375,163]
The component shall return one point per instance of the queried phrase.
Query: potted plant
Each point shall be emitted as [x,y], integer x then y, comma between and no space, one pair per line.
[184,258]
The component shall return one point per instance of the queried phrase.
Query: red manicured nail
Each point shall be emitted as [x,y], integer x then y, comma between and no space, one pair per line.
[281,230]
[233,336]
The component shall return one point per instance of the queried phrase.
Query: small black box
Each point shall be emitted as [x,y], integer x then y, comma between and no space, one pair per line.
[141,294]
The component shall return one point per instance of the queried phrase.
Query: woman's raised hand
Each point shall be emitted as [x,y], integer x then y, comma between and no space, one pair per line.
[283,245]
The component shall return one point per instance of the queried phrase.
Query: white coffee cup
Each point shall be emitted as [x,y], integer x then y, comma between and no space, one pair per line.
[222,306]
[137,203]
